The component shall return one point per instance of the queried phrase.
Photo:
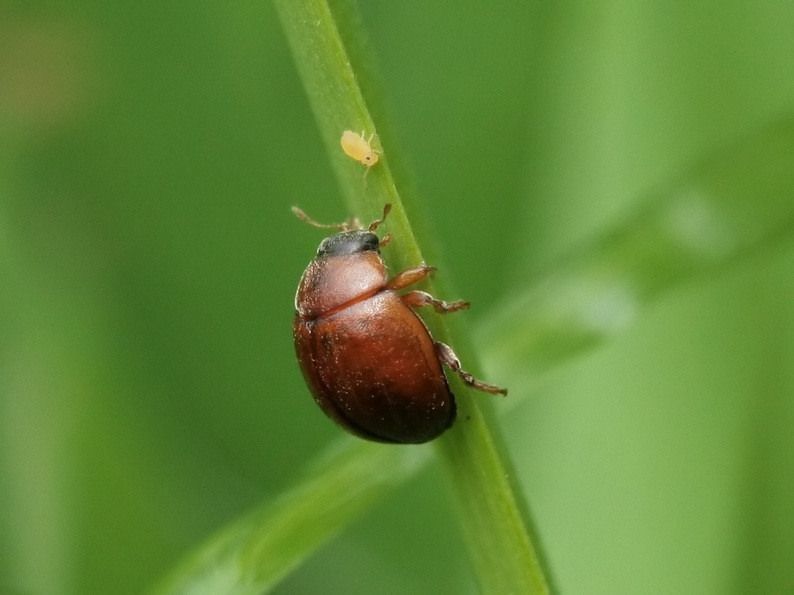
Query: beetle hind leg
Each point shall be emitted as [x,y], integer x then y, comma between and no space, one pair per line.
[448,358]
[417,299]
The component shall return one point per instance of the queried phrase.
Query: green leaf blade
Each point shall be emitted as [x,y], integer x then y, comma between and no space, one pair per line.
[724,209]
[257,551]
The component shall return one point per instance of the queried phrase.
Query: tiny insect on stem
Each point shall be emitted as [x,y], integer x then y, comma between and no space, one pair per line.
[358,147]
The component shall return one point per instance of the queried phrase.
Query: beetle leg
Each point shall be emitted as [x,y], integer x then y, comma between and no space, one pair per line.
[409,277]
[417,299]
[448,358]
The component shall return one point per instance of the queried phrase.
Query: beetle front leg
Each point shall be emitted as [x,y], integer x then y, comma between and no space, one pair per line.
[448,358]
[417,299]
[409,276]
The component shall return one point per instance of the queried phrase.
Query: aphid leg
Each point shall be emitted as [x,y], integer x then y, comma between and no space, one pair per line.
[344,226]
[369,142]
[417,299]
[409,276]
[449,359]
[385,240]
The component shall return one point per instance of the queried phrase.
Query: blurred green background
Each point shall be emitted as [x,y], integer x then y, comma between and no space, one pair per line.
[149,155]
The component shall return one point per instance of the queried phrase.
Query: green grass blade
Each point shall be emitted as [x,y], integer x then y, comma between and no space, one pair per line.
[723,209]
[326,66]
[324,41]
[258,550]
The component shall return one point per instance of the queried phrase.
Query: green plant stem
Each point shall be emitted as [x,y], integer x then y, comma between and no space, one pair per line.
[500,546]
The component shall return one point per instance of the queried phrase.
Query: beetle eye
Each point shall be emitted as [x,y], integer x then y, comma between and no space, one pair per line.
[369,242]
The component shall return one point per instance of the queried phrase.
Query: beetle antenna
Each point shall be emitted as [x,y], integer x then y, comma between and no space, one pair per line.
[375,224]
[301,214]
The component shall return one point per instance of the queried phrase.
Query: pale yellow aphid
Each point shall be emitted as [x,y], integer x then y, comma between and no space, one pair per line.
[357,147]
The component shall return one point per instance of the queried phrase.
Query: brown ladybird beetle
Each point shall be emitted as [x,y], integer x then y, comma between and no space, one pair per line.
[368,359]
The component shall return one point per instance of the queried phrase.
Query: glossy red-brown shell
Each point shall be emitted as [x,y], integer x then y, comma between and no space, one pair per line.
[369,361]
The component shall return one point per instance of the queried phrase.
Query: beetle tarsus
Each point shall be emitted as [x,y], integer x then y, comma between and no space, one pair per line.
[418,299]
[448,358]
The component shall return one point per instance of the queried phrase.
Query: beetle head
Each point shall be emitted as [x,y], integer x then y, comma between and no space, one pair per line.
[349,242]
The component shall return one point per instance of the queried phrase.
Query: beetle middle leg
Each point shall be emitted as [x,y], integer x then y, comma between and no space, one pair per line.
[417,299]
[448,358]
